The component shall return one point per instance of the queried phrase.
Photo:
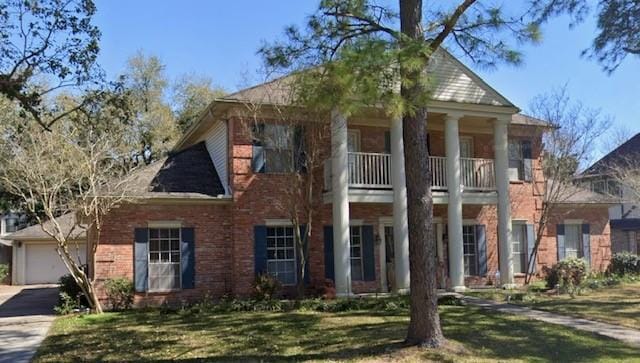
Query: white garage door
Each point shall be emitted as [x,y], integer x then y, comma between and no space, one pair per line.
[43,265]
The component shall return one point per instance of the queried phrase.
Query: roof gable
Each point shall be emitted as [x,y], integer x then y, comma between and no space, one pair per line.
[452,82]
[628,151]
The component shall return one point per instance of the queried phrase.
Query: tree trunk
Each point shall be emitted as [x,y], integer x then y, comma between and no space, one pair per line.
[424,326]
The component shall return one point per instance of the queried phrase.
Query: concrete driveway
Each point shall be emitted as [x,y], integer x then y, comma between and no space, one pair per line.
[26,313]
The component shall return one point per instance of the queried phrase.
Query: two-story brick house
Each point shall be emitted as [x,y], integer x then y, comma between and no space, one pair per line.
[207,222]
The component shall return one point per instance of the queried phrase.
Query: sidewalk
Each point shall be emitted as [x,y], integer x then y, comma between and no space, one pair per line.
[623,334]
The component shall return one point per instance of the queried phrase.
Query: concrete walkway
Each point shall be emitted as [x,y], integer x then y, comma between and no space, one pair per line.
[623,334]
[26,314]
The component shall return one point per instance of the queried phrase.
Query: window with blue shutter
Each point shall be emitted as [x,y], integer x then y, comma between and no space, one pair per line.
[260,249]
[527,155]
[560,241]
[329,272]
[531,243]
[368,254]
[141,259]
[188,258]
[481,237]
[586,243]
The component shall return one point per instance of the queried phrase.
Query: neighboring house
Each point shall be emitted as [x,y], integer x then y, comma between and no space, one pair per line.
[624,215]
[35,259]
[207,221]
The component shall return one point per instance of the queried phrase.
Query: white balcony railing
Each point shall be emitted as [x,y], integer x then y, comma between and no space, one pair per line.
[373,171]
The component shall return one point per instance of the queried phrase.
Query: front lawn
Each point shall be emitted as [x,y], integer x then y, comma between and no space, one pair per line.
[618,305]
[474,335]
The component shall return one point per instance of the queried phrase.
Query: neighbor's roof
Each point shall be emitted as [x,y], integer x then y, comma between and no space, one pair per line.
[67,223]
[627,152]
[454,82]
[576,195]
[188,174]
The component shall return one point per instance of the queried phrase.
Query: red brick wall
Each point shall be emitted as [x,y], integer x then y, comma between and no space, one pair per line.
[114,253]
[225,237]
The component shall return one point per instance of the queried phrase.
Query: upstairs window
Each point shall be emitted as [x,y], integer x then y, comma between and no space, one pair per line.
[520,163]
[11,224]
[273,149]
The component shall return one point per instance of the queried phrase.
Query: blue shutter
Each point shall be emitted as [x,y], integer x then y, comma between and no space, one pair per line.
[257,159]
[187,248]
[531,242]
[260,249]
[481,238]
[141,259]
[329,271]
[307,279]
[368,253]
[299,155]
[527,154]
[560,241]
[586,243]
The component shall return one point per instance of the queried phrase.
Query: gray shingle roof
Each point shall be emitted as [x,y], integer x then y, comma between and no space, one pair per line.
[189,173]
[628,151]
[35,232]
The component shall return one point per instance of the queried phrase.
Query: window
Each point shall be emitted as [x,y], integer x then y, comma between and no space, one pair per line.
[281,254]
[357,268]
[606,186]
[466,146]
[277,148]
[10,224]
[519,244]
[516,160]
[573,240]
[469,250]
[599,186]
[164,259]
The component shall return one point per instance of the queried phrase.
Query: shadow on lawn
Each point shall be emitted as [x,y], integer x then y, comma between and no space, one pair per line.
[150,336]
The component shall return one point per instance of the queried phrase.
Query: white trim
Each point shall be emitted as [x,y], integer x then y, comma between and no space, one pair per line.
[355,132]
[439,197]
[469,222]
[283,222]
[520,221]
[164,224]
[356,222]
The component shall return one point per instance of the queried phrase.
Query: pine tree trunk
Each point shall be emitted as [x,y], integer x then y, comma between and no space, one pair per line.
[424,326]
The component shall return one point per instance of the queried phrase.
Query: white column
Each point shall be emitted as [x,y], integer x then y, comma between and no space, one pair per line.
[340,199]
[505,250]
[400,224]
[454,208]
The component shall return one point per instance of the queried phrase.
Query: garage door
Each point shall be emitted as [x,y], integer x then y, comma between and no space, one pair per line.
[43,265]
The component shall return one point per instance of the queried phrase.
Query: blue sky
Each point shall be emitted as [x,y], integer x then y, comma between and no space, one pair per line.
[220,38]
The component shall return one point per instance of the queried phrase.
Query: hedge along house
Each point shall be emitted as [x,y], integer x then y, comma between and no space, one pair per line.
[206,222]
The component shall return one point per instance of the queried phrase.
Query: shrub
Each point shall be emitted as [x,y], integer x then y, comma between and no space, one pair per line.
[66,304]
[4,272]
[625,263]
[265,287]
[119,293]
[568,274]
[69,287]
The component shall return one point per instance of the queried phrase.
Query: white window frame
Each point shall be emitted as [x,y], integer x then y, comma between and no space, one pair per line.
[573,223]
[353,228]
[475,254]
[524,245]
[275,274]
[163,226]
[520,169]
[355,133]
[468,139]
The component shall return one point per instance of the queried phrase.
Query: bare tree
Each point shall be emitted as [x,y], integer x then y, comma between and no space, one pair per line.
[299,137]
[69,179]
[567,146]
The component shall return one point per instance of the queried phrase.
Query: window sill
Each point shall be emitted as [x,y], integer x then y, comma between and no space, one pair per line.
[160,292]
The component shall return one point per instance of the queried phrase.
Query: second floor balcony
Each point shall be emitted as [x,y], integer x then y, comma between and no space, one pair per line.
[373,171]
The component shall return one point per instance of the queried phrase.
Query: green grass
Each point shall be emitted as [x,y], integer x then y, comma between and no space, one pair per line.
[473,335]
[619,305]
